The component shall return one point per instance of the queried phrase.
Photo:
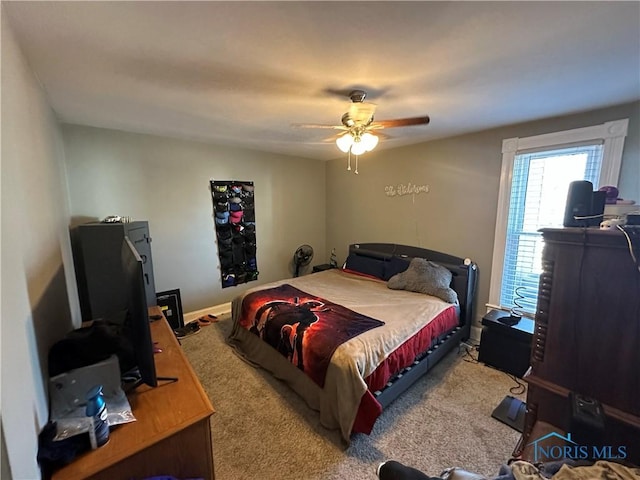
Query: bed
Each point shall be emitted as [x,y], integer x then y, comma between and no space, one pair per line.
[345,341]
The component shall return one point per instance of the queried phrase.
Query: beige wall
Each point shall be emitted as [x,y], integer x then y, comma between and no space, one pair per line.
[458,215]
[166,181]
[37,306]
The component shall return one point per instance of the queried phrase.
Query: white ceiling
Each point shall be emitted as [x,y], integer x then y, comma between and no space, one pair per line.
[239,73]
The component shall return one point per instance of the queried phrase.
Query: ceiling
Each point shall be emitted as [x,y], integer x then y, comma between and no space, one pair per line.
[240,73]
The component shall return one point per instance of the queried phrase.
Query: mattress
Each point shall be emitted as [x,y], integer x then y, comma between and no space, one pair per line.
[411,322]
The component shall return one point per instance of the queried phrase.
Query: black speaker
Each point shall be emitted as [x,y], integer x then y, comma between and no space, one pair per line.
[582,201]
[598,199]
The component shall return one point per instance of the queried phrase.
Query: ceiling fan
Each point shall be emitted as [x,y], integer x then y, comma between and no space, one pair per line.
[360,130]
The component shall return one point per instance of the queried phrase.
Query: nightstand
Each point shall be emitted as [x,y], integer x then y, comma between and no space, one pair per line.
[506,347]
[322,267]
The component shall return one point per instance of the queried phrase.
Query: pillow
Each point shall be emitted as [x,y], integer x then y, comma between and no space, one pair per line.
[366,265]
[427,277]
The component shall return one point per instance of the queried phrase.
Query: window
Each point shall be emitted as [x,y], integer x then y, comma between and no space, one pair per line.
[536,173]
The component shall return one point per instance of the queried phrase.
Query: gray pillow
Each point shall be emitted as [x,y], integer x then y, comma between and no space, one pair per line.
[427,277]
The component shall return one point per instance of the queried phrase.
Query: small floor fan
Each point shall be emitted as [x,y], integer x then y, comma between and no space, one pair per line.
[302,257]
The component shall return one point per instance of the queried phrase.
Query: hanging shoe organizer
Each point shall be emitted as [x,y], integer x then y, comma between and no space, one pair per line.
[235,223]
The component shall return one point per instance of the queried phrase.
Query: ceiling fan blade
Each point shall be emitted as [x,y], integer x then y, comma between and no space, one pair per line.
[382,136]
[401,122]
[318,125]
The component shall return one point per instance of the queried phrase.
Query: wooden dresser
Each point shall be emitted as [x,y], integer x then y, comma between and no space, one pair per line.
[172,434]
[587,336]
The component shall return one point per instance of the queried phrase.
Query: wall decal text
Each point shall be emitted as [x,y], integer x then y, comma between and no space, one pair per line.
[405,189]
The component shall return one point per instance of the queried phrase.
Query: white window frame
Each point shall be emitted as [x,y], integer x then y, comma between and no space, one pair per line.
[612,134]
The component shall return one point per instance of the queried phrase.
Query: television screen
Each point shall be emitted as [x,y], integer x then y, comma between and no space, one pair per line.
[138,313]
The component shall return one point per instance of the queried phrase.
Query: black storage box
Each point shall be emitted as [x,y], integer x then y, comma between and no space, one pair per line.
[506,347]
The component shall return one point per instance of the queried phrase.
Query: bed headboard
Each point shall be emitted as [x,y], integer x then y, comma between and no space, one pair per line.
[464,271]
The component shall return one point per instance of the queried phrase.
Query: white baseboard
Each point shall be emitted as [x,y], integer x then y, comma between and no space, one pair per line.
[475,334]
[216,310]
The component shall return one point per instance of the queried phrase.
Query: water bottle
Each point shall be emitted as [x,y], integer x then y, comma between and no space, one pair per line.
[97,412]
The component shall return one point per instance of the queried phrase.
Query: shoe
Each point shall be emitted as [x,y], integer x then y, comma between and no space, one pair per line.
[189,329]
[392,470]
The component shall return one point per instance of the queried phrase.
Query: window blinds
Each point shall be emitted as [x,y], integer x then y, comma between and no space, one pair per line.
[539,190]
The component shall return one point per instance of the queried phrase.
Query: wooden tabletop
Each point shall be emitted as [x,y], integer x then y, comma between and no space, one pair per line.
[160,412]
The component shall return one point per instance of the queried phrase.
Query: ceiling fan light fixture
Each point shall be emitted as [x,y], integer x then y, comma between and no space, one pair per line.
[369,141]
[357,144]
[358,147]
[344,142]
[358,123]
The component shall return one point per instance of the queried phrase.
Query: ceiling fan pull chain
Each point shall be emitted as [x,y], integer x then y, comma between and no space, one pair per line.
[349,164]
[356,172]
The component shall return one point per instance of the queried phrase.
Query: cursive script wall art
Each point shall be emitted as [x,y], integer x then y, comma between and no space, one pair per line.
[405,189]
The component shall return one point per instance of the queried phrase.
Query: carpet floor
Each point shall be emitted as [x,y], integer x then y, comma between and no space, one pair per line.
[263,430]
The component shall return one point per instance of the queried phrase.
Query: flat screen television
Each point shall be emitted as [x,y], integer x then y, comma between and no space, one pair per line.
[138,315]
